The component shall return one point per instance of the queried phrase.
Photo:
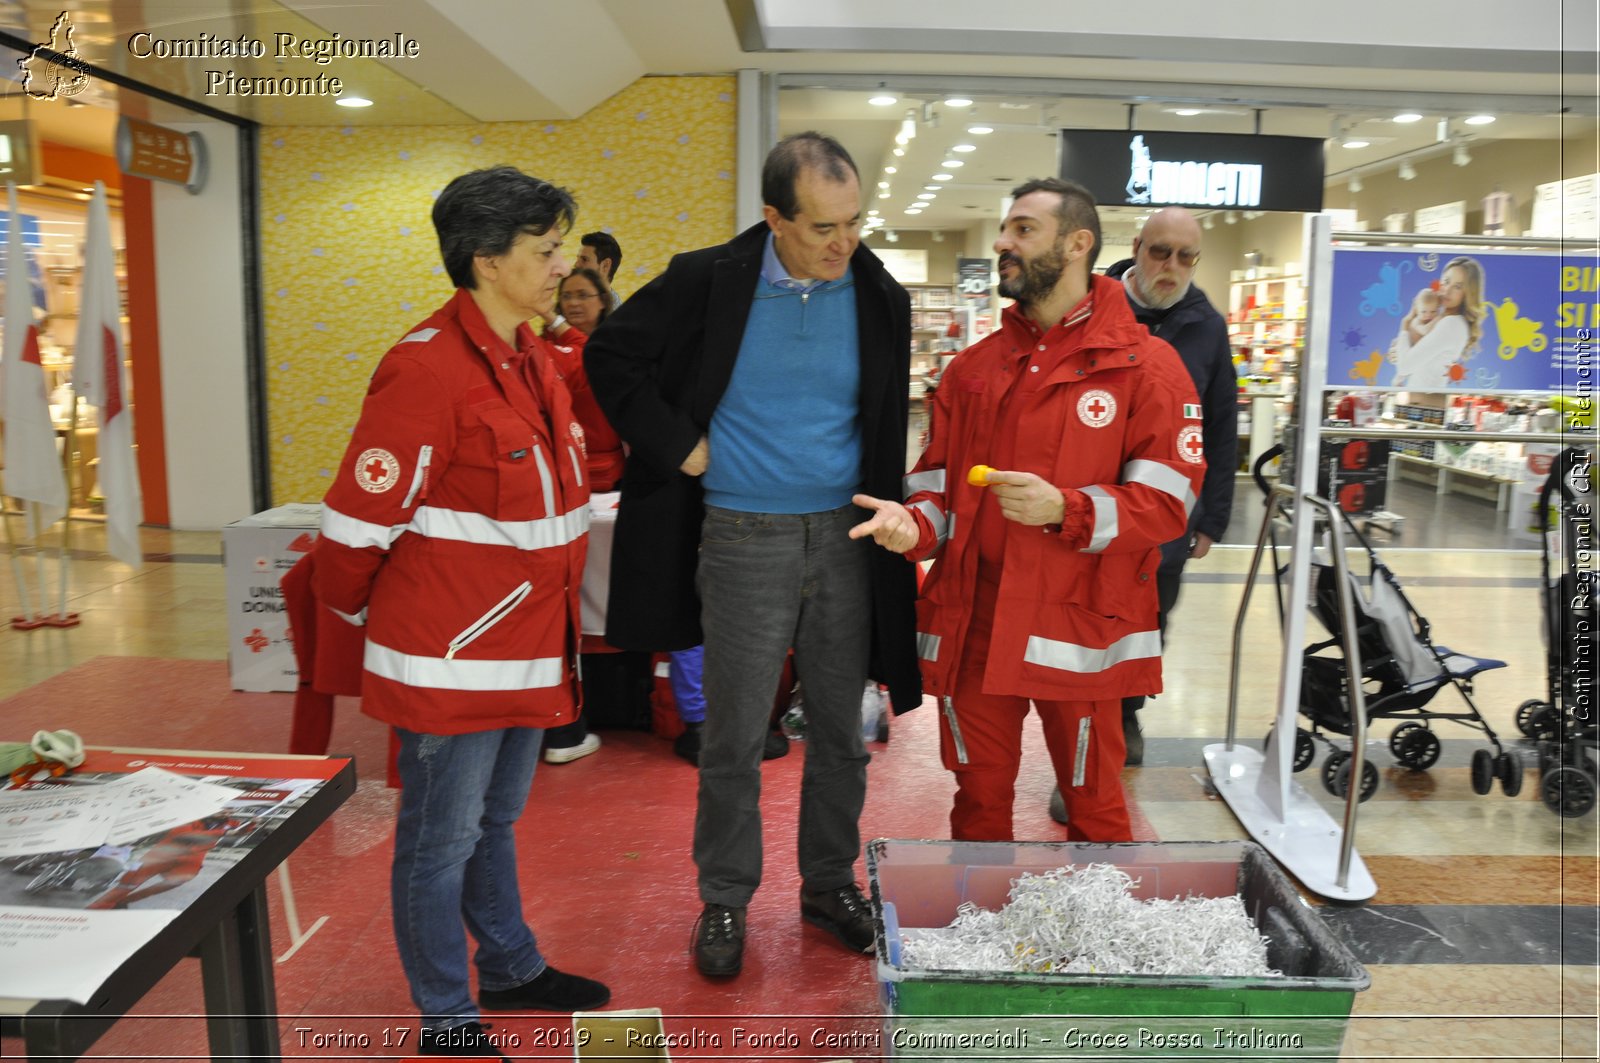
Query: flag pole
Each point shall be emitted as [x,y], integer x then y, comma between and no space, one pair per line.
[62,618]
[26,620]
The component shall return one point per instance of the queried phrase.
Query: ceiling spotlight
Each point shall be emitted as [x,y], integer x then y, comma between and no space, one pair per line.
[884,100]
[1479,119]
[980,130]
[1407,118]
[1408,172]
[1356,142]
[1355,183]
[930,188]
[958,101]
[925,196]
[944,177]
[938,236]
[883,195]
[952,164]
[890,169]
[914,210]
[1461,157]
[362,101]
[883,184]
[908,125]
[1231,217]
[899,152]
[1187,112]
[891,235]
[1209,222]
[964,148]
[873,211]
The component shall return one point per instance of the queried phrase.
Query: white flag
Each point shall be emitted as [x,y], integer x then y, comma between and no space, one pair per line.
[97,372]
[32,466]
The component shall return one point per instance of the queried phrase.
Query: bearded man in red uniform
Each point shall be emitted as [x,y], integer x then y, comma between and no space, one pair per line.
[1043,586]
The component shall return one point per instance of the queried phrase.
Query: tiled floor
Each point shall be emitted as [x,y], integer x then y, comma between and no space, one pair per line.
[1481,942]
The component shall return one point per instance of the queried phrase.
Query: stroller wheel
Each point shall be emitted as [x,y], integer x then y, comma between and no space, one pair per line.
[1330,772]
[1482,771]
[1369,779]
[1545,724]
[1525,714]
[1568,792]
[1414,746]
[1305,750]
[1508,769]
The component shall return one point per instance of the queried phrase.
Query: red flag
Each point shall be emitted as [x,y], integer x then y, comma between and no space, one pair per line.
[97,372]
[32,465]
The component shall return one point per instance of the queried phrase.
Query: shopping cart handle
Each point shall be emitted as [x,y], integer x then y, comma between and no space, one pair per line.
[1270,454]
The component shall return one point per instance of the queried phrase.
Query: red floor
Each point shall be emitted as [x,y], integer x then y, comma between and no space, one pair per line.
[607,879]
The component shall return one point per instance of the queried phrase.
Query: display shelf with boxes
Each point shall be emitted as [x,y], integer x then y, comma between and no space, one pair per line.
[939,327]
[1266,324]
[1489,470]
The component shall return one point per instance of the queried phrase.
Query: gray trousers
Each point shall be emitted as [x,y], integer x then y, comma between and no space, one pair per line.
[769,582]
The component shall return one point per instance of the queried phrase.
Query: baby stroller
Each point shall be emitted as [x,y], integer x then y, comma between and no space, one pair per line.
[1563,723]
[1401,671]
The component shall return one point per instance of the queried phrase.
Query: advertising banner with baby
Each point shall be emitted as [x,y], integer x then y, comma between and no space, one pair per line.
[1467,320]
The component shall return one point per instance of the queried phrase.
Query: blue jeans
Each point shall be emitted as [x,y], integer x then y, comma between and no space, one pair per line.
[769,582]
[455,866]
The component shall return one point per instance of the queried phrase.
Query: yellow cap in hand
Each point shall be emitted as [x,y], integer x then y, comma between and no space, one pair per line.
[978,475]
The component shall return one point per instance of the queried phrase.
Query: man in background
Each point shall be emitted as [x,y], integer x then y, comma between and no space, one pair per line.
[600,251]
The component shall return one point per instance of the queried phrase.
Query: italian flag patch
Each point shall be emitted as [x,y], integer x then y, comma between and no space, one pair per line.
[1191,410]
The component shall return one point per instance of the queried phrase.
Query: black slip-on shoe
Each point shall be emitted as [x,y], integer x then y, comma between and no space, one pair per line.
[553,990]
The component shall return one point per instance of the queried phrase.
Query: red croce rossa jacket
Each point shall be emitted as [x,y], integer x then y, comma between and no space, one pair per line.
[458,520]
[1107,414]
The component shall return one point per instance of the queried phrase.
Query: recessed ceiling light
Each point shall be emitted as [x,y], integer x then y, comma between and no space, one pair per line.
[884,100]
[883,195]
[951,164]
[362,101]
[1356,142]
[1479,119]
[958,101]
[944,177]
[890,169]
[899,152]
[930,188]
[1187,112]
[980,130]
[874,210]
[1407,118]
[963,148]
[913,210]
[883,184]
[925,196]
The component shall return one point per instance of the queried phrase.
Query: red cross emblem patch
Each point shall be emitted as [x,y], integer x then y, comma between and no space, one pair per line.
[1097,408]
[376,470]
[1191,447]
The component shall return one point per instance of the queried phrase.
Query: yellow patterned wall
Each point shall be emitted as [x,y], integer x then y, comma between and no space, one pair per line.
[350,261]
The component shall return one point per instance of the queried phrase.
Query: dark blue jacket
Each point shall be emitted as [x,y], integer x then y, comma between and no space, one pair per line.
[1200,336]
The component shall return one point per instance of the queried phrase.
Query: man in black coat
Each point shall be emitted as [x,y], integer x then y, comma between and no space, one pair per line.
[762,386]
[1159,282]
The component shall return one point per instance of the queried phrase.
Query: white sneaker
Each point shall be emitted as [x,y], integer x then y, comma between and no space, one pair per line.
[568,754]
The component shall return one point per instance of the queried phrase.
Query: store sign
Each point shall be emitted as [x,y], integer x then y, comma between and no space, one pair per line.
[19,152]
[1445,219]
[1207,170]
[972,277]
[147,150]
[1524,320]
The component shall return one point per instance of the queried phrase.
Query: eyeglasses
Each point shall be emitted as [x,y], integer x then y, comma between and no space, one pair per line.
[580,295]
[1162,252]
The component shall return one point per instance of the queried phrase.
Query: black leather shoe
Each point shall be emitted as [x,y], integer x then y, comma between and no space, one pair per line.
[687,745]
[468,1039]
[1133,737]
[777,745]
[551,991]
[842,912]
[719,941]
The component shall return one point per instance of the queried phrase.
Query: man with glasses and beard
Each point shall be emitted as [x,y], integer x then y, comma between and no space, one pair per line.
[1065,449]
[1159,283]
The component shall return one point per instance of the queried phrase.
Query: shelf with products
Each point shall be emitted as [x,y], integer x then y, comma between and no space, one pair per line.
[1266,324]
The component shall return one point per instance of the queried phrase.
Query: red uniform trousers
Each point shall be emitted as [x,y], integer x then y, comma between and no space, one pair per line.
[991,733]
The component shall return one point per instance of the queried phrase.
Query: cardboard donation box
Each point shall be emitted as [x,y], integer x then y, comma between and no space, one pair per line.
[256,552]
